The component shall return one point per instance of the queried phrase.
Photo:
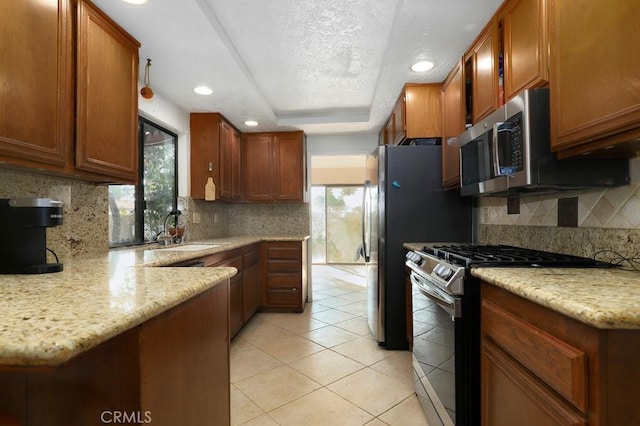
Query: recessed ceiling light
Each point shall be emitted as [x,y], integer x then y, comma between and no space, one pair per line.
[251,123]
[135,1]
[203,90]
[422,66]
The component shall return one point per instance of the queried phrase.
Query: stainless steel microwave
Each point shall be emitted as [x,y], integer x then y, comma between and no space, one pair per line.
[509,153]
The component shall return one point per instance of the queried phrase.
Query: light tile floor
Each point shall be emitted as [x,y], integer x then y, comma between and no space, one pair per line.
[321,367]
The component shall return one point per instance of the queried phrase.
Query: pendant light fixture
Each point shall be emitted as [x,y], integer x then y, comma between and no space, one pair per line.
[146,91]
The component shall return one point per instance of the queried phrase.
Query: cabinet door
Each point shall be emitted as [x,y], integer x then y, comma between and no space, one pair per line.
[398,116]
[36,85]
[106,97]
[289,172]
[257,167]
[236,308]
[251,290]
[236,161]
[594,75]
[226,164]
[389,130]
[485,78]
[423,111]
[511,396]
[525,46]
[452,126]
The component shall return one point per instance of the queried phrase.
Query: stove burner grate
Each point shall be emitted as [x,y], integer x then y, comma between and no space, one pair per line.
[502,255]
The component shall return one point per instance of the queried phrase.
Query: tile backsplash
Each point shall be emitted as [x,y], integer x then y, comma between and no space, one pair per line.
[606,219]
[220,219]
[85,227]
[84,231]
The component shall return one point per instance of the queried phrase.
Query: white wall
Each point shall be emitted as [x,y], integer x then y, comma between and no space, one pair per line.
[166,114]
[340,144]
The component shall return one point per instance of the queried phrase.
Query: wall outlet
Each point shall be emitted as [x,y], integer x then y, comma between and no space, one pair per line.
[196,217]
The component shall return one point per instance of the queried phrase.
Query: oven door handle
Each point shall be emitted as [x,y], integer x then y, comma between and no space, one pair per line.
[451,304]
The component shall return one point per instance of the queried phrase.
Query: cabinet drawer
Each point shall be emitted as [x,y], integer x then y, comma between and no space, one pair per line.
[283,266]
[290,297]
[559,365]
[279,252]
[284,281]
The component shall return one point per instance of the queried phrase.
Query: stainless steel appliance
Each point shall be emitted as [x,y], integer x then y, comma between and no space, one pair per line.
[509,152]
[404,201]
[446,322]
[25,221]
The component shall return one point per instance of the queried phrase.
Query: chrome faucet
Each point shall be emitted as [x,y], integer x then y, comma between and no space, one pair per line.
[163,237]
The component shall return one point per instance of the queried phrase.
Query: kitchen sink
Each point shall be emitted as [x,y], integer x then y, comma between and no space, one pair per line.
[193,247]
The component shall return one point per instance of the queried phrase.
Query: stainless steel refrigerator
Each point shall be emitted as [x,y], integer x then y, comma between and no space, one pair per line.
[404,202]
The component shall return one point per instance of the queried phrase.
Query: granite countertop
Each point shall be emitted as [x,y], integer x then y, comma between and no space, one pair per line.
[49,319]
[602,298]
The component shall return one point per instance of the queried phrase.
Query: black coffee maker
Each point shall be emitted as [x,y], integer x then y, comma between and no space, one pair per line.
[24,222]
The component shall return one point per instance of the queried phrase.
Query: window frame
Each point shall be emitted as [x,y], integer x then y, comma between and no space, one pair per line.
[140,202]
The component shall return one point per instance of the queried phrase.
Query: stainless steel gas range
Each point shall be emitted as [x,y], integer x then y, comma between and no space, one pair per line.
[446,322]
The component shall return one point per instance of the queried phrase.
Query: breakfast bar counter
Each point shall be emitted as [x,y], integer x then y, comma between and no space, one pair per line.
[47,320]
[127,335]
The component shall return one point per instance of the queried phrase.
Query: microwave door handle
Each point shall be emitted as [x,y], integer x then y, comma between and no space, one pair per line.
[496,155]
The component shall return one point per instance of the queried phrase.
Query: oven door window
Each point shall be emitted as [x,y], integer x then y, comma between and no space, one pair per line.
[434,351]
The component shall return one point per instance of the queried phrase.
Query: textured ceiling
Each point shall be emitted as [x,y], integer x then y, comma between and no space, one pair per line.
[322,66]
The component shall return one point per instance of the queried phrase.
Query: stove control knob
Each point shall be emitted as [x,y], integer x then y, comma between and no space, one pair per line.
[443,272]
[415,258]
[447,273]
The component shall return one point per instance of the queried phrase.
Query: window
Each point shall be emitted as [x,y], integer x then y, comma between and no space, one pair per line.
[336,228]
[137,212]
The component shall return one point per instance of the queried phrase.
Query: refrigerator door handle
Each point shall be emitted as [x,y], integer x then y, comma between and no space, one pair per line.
[365,220]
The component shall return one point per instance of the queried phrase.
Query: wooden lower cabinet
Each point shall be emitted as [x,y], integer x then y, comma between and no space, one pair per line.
[244,287]
[236,308]
[173,369]
[285,275]
[251,281]
[540,367]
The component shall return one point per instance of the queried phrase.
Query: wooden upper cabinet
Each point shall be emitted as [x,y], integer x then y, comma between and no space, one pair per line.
[594,76]
[106,96]
[274,167]
[289,166]
[36,81]
[483,58]
[205,157]
[386,134]
[525,41]
[416,114]
[215,152]
[399,119]
[257,166]
[42,96]
[229,162]
[453,124]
